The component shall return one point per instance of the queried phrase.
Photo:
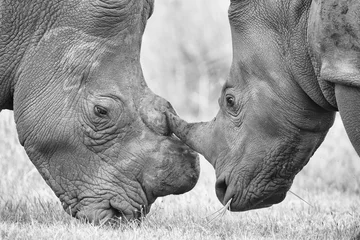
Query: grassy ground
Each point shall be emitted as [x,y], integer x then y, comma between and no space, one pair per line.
[330,183]
[186,54]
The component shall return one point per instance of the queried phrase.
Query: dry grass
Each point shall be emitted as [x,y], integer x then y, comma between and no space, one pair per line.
[186,56]
[29,209]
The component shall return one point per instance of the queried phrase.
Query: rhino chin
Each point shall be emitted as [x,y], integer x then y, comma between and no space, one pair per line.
[128,213]
[113,212]
[258,202]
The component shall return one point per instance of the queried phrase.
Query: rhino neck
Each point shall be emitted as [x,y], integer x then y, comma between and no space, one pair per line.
[313,46]
[10,56]
[17,32]
[333,40]
[6,97]
[301,60]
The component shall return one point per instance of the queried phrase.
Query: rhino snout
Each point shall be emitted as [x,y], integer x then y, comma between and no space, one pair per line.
[175,170]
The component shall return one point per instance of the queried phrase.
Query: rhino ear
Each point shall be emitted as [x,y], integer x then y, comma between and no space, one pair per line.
[149,8]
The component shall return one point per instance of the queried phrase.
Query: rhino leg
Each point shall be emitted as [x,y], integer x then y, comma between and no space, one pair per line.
[348,100]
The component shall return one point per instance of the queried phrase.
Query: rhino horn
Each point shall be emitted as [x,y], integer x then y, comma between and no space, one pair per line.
[196,135]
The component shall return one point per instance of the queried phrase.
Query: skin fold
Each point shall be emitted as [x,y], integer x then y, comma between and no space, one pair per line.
[295,63]
[71,72]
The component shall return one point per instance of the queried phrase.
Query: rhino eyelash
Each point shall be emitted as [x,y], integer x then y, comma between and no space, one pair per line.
[100,111]
[230,101]
[232,106]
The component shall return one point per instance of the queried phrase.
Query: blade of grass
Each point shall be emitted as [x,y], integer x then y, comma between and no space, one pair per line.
[219,213]
[301,198]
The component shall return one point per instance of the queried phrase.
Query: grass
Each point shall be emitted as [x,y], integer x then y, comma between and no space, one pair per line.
[29,209]
[186,56]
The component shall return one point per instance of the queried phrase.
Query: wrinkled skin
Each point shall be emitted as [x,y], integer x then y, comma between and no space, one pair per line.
[295,63]
[71,72]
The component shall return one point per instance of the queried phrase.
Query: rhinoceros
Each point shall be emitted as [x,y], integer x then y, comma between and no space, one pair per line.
[70,71]
[295,63]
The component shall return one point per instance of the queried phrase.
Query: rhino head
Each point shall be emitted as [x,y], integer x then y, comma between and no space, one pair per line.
[273,112]
[84,113]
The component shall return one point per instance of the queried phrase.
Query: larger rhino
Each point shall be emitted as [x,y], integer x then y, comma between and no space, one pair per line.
[295,63]
[71,72]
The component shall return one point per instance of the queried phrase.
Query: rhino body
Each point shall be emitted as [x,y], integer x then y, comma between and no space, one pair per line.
[70,71]
[295,63]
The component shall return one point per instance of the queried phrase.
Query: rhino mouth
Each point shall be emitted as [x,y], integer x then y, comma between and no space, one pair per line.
[121,216]
[258,203]
[268,202]
[111,212]
[248,199]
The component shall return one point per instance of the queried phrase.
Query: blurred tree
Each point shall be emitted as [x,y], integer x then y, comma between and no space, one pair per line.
[186,54]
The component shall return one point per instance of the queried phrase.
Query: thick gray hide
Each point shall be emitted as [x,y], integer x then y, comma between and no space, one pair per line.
[70,70]
[295,63]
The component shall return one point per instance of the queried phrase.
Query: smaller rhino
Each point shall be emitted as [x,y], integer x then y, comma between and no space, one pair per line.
[71,72]
[295,63]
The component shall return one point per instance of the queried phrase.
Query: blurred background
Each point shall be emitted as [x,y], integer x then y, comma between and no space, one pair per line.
[186,55]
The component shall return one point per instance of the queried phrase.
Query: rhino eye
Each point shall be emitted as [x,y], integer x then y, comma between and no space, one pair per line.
[100,111]
[230,101]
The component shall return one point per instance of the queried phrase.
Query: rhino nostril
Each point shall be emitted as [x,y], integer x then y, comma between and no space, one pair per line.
[220,188]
